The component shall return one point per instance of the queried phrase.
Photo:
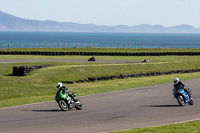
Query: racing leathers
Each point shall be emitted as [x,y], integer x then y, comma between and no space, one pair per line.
[180,85]
[64,90]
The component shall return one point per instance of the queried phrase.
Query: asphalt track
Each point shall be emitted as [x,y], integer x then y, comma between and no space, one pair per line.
[119,110]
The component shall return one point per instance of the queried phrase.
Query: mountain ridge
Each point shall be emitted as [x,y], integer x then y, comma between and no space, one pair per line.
[11,23]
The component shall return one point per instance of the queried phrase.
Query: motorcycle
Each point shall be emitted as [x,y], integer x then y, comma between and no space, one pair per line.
[92,59]
[145,60]
[67,101]
[183,97]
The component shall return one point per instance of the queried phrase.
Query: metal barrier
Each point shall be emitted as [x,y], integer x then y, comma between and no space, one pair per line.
[98,45]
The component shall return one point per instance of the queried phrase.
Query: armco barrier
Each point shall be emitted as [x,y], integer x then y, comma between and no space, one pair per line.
[96,53]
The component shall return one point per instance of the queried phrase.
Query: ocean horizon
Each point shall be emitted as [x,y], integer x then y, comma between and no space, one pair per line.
[49,38]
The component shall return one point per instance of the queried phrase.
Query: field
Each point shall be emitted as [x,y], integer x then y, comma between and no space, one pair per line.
[188,127]
[39,85]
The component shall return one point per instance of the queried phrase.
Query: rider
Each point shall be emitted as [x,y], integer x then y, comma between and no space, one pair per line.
[64,90]
[179,85]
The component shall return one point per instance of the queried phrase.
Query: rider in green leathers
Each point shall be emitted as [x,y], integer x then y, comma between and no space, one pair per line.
[64,90]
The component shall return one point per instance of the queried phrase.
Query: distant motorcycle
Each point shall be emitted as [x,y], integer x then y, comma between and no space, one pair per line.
[92,59]
[66,102]
[183,97]
[145,60]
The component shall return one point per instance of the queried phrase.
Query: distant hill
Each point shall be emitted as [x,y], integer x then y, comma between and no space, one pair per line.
[11,23]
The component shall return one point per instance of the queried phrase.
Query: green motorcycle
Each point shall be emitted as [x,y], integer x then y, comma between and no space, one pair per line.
[67,101]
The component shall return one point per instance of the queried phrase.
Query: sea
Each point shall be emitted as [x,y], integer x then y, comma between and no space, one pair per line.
[12,39]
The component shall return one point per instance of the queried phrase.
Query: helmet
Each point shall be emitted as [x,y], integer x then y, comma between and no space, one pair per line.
[59,85]
[176,80]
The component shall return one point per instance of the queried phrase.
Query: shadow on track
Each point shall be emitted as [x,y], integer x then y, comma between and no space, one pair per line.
[52,110]
[161,106]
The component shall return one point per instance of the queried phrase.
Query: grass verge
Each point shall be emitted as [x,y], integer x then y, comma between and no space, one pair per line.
[188,127]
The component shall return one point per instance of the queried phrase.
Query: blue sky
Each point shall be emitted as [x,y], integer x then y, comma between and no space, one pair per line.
[108,12]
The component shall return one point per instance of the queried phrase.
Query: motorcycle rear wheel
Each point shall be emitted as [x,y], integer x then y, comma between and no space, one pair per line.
[63,105]
[180,100]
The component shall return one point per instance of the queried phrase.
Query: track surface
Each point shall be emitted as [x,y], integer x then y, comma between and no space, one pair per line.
[127,109]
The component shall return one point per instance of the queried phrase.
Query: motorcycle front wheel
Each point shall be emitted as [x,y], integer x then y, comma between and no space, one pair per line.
[180,100]
[78,104]
[191,101]
[63,105]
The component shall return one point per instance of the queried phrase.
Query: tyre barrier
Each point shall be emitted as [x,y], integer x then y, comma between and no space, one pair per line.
[122,76]
[23,70]
[97,53]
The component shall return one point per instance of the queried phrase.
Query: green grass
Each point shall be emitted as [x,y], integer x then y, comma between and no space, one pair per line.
[188,127]
[90,49]
[81,71]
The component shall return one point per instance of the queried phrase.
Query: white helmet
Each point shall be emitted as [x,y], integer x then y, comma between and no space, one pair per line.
[59,85]
[176,80]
